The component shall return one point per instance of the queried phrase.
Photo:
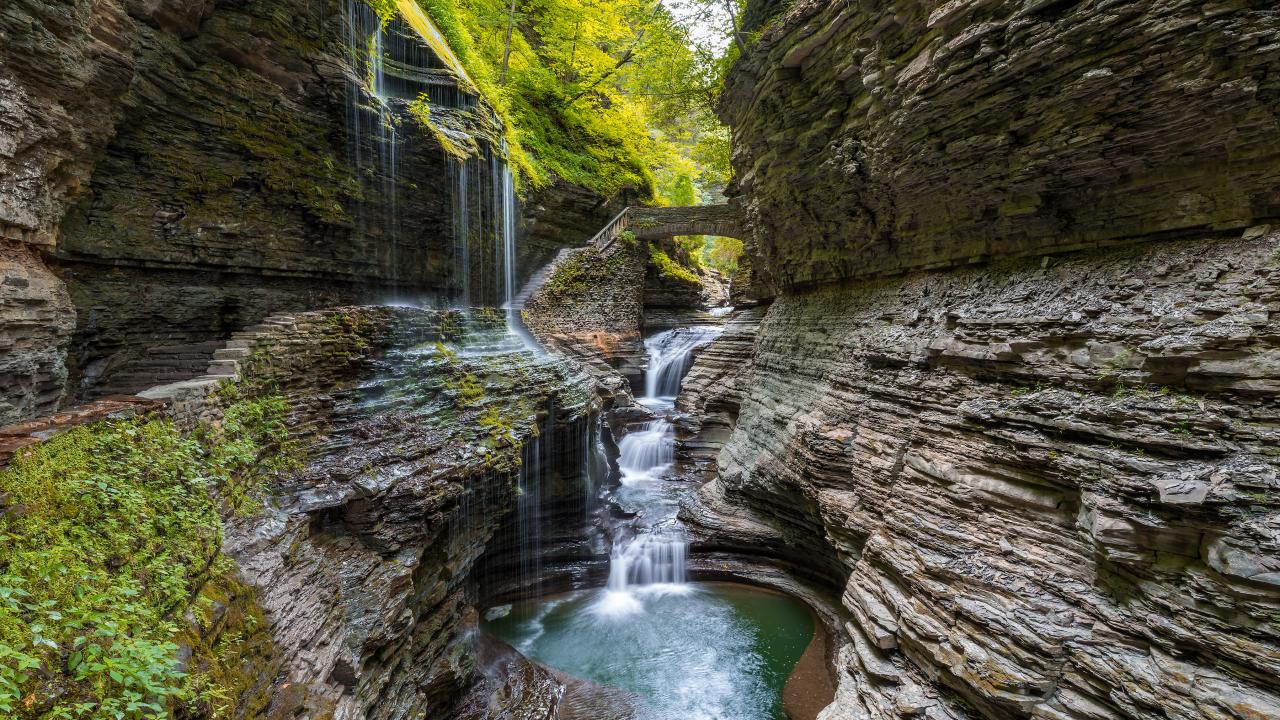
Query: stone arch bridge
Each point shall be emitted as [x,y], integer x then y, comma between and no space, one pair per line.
[653,223]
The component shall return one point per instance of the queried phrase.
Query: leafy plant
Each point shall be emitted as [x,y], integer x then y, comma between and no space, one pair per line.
[107,532]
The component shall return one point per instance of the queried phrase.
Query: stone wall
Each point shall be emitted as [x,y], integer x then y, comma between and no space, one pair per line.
[592,309]
[1047,489]
[886,137]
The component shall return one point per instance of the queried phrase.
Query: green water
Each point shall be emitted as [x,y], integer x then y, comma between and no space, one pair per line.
[690,652]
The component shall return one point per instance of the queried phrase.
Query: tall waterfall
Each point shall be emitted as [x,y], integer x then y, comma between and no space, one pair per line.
[391,70]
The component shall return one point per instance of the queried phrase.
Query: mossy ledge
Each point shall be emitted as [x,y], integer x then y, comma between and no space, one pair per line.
[115,597]
[125,532]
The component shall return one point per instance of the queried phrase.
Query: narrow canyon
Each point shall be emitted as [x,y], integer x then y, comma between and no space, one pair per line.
[639,360]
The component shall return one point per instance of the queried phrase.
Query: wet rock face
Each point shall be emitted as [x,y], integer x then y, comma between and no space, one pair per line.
[880,138]
[365,561]
[1048,489]
[36,319]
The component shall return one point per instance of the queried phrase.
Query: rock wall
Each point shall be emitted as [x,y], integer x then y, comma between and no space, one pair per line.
[892,136]
[36,320]
[187,167]
[713,391]
[1014,400]
[1048,489]
[592,309]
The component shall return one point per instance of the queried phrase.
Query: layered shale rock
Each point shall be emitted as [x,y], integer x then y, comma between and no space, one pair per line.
[425,444]
[875,139]
[1048,489]
[36,320]
[1044,487]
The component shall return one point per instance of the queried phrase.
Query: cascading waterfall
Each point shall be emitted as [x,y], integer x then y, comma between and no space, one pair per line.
[645,454]
[670,356]
[392,70]
[654,559]
[366,39]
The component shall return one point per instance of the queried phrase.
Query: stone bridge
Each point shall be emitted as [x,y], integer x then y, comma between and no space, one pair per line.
[653,223]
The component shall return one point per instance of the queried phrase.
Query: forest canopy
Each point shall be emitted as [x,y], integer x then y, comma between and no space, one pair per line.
[606,94]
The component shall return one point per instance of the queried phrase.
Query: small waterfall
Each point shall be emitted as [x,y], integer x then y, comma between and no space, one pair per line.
[645,454]
[508,232]
[648,560]
[670,356]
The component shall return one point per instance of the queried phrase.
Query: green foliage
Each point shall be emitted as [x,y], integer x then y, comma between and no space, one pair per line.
[106,534]
[723,253]
[588,94]
[669,269]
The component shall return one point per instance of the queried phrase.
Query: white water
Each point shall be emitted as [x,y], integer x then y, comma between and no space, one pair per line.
[645,455]
[670,356]
[653,562]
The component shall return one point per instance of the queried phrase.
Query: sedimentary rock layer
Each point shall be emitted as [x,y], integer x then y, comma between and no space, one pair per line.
[877,138]
[36,320]
[188,167]
[359,569]
[364,563]
[1048,488]
[591,308]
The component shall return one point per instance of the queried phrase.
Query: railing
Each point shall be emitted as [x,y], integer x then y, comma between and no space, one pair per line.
[655,222]
[603,239]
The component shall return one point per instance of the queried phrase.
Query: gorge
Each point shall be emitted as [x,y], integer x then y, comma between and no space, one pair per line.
[391,359]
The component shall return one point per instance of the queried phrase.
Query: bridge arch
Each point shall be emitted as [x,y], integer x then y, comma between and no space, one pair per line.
[654,223]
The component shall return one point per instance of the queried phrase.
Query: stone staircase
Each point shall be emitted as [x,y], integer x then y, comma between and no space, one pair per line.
[539,278]
[160,365]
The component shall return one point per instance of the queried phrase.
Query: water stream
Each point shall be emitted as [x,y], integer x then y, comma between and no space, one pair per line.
[678,650]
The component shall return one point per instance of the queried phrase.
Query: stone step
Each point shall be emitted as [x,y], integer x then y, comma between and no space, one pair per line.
[225,368]
[230,353]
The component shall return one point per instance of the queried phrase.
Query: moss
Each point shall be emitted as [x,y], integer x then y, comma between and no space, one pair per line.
[232,662]
[291,163]
[107,534]
[669,269]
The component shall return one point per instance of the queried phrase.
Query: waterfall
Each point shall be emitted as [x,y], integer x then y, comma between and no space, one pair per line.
[508,232]
[653,561]
[461,230]
[372,119]
[528,515]
[670,356]
[647,453]
[648,560]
